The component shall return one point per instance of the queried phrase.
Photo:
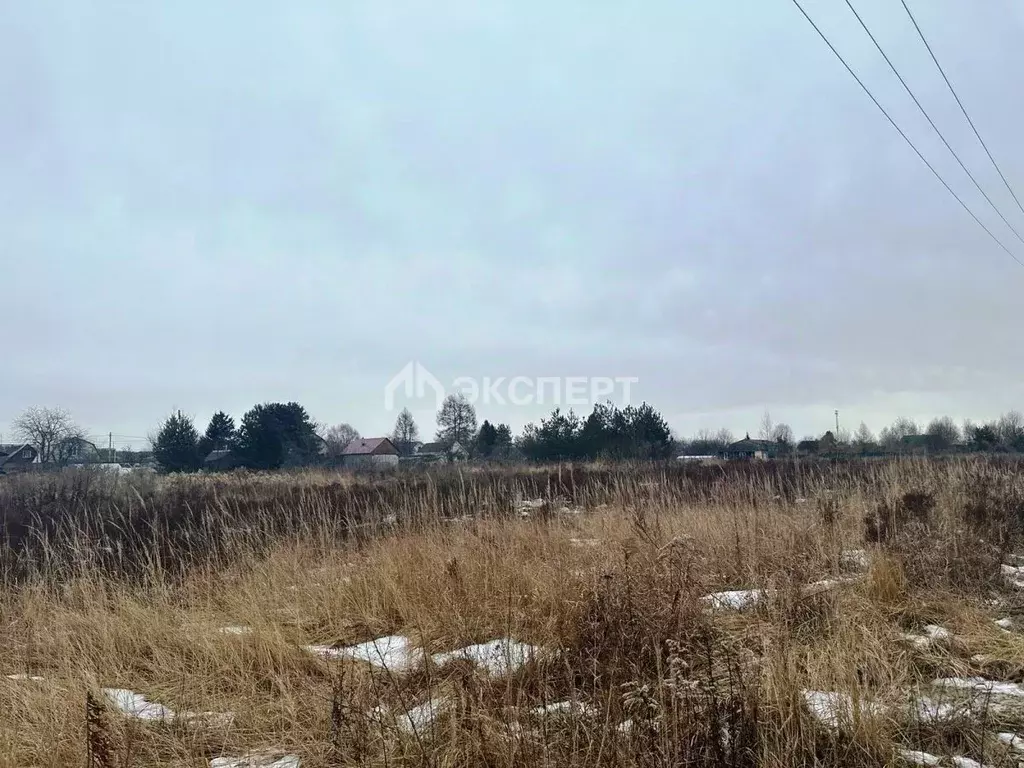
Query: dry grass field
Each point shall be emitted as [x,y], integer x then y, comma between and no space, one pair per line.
[548,617]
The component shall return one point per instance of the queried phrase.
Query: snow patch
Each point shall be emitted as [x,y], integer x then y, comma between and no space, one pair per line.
[393,652]
[1013,576]
[416,720]
[967,762]
[564,708]
[585,542]
[1011,741]
[833,709]
[498,657]
[855,558]
[919,758]
[256,760]
[981,685]
[240,630]
[735,600]
[931,635]
[1006,623]
[136,705]
[928,710]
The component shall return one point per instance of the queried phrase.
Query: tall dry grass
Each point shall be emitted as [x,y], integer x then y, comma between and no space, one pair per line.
[127,583]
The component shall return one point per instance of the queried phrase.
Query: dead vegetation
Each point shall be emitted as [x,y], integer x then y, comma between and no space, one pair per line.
[822,615]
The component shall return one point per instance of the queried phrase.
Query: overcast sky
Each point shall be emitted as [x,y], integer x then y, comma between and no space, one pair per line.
[205,205]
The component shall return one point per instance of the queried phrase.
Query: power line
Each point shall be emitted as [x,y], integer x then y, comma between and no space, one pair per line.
[906,138]
[931,122]
[960,104]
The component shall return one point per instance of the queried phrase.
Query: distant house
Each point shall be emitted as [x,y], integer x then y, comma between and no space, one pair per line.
[17,457]
[440,451]
[808,446]
[221,460]
[366,452]
[752,449]
[77,450]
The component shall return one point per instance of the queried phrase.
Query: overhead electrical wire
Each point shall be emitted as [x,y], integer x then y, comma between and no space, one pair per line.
[960,104]
[931,122]
[904,136]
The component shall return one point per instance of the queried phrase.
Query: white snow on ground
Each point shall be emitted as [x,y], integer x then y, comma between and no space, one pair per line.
[981,685]
[931,635]
[138,706]
[564,708]
[1006,624]
[256,760]
[919,758]
[855,558]
[833,709]
[1013,575]
[25,677]
[735,600]
[966,762]
[826,585]
[416,720]
[235,630]
[928,710]
[584,542]
[393,652]
[328,652]
[498,657]
[526,507]
[1012,741]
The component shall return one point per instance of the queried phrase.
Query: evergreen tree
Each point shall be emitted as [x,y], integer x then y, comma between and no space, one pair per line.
[273,435]
[176,447]
[502,440]
[486,439]
[220,433]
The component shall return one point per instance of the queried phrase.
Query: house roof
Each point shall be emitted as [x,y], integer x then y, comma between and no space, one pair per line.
[747,444]
[217,455]
[10,450]
[455,447]
[365,446]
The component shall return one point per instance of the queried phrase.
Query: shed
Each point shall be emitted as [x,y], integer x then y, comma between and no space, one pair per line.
[370,452]
[221,460]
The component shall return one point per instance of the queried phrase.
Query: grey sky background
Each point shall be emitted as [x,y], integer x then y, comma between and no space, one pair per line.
[208,205]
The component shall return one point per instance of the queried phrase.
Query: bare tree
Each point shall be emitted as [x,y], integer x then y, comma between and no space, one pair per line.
[767,426]
[862,438]
[406,432]
[1010,429]
[338,436]
[782,434]
[51,431]
[724,436]
[456,421]
[942,432]
[892,436]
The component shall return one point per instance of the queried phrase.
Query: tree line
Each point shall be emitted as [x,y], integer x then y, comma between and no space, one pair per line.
[277,435]
[903,435]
